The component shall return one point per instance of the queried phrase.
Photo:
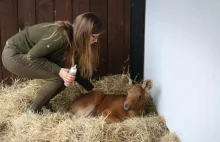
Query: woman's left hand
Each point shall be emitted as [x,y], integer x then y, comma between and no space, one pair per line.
[64,74]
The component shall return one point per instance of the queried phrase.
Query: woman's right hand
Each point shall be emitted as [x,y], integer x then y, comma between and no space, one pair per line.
[64,74]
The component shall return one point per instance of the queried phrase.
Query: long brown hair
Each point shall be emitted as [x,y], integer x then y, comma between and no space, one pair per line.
[78,36]
[87,55]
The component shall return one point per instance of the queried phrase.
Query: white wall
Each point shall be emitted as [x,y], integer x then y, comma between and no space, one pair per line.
[182,57]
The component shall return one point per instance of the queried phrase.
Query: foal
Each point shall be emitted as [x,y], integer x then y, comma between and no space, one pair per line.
[116,108]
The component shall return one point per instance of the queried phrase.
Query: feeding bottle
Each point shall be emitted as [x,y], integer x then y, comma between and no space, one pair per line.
[72,71]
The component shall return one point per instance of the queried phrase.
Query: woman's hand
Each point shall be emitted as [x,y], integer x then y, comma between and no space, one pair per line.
[64,74]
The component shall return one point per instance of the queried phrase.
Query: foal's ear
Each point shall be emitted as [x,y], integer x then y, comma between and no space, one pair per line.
[126,80]
[147,84]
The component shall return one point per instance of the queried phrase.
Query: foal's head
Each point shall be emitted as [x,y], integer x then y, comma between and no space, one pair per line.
[135,99]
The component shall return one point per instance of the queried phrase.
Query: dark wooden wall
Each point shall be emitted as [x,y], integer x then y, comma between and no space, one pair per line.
[15,15]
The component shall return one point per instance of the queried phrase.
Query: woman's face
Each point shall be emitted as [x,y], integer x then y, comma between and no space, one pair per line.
[94,38]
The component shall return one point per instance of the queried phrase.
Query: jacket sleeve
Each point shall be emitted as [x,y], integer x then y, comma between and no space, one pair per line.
[84,82]
[37,55]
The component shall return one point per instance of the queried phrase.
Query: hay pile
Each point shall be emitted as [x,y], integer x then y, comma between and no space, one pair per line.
[17,126]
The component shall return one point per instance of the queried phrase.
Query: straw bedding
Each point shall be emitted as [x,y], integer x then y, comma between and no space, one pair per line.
[17,126]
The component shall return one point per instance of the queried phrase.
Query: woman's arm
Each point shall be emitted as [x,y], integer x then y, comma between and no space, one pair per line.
[84,81]
[37,55]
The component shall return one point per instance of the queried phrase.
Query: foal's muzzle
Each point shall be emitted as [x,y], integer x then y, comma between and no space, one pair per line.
[127,107]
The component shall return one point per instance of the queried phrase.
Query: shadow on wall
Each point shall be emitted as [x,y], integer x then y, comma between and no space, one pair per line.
[156,95]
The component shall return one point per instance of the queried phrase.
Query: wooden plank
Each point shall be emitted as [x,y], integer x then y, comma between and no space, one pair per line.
[1,73]
[1,46]
[9,25]
[80,6]
[44,11]
[126,52]
[1,77]
[100,8]
[115,36]
[26,13]
[63,10]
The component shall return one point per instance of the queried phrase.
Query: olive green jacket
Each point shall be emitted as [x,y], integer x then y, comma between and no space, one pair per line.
[44,50]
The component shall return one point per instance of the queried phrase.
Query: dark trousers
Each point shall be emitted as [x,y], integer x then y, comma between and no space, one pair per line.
[18,64]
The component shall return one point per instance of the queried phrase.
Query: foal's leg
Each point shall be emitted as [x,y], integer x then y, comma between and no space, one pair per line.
[80,109]
[86,111]
[110,118]
[113,119]
[86,104]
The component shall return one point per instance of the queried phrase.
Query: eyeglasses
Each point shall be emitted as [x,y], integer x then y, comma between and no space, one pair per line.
[95,37]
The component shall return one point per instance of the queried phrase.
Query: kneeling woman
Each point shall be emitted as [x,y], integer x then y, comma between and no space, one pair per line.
[47,51]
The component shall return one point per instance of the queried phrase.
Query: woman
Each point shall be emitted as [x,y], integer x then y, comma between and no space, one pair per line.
[47,51]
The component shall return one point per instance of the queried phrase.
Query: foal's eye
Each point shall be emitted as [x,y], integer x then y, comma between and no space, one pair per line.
[139,97]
